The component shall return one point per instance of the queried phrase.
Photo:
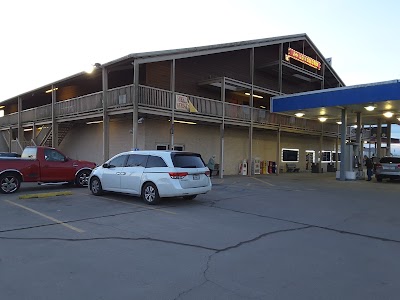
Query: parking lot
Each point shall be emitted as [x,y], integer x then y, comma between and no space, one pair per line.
[292,236]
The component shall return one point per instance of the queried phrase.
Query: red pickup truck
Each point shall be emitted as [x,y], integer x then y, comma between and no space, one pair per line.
[42,165]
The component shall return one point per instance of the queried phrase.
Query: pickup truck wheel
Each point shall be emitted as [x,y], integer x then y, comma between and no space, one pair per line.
[95,186]
[82,178]
[9,183]
[150,194]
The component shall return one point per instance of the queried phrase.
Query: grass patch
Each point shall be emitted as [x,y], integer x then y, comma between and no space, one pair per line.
[45,195]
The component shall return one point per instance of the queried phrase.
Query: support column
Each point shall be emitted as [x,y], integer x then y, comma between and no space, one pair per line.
[172,88]
[106,118]
[135,104]
[222,131]
[344,154]
[34,133]
[388,138]
[20,129]
[321,145]
[337,148]
[280,68]
[54,124]
[278,151]
[10,139]
[250,163]
[359,142]
[379,138]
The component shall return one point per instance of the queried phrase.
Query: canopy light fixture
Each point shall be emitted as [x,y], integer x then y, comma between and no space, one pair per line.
[2,106]
[398,118]
[94,122]
[50,90]
[28,129]
[339,122]
[254,95]
[369,107]
[184,122]
[299,115]
[262,106]
[388,114]
[322,119]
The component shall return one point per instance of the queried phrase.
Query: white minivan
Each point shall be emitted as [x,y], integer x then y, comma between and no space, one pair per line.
[153,174]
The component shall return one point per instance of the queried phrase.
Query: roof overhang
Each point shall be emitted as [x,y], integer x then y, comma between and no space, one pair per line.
[384,96]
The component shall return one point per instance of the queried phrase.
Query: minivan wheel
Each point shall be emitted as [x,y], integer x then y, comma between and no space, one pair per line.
[150,194]
[191,197]
[95,186]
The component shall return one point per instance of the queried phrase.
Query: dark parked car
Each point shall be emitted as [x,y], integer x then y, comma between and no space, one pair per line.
[388,167]
[9,154]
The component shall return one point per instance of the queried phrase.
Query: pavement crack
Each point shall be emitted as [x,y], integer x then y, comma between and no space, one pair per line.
[112,238]
[261,236]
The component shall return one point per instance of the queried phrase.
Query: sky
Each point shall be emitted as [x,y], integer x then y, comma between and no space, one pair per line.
[43,41]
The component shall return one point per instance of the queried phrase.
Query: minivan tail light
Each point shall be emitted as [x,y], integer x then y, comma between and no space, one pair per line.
[207,173]
[178,175]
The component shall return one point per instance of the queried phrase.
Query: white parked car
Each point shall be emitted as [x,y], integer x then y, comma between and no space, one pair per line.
[153,175]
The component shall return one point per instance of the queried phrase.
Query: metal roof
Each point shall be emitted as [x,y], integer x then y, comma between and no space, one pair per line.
[196,51]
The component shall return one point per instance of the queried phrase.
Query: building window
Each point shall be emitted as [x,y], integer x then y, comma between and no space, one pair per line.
[291,155]
[334,156]
[326,156]
[166,147]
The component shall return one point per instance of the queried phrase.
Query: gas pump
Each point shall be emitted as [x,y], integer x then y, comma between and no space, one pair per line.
[353,163]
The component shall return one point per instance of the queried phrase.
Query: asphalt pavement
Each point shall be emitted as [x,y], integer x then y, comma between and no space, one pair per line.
[292,236]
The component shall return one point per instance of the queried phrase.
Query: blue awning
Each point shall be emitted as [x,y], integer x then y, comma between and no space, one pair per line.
[383,95]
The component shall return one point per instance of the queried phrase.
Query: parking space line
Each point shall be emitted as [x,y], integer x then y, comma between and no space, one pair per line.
[266,182]
[142,206]
[46,217]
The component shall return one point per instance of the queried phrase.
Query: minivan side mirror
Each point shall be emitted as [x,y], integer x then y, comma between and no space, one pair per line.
[106,165]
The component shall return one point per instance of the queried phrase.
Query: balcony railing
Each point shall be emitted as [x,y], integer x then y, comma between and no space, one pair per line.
[155,97]
[121,96]
[79,105]
[162,99]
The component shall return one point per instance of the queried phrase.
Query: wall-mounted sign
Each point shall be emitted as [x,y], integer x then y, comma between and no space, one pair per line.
[303,58]
[183,103]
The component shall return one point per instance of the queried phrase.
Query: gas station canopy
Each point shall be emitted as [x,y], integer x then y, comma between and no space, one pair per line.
[374,101]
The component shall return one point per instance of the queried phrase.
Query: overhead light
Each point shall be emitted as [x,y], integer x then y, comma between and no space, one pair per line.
[184,122]
[2,106]
[94,122]
[339,122]
[28,129]
[322,112]
[254,95]
[262,106]
[49,91]
[354,126]
[398,118]
[388,114]
[299,115]
[369,107]
[322,119]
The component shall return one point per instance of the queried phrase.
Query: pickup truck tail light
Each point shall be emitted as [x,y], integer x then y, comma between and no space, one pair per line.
[178,175]
[207,173]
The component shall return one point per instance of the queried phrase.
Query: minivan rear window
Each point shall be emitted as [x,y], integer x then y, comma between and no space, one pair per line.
[187,160]
[390,160]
